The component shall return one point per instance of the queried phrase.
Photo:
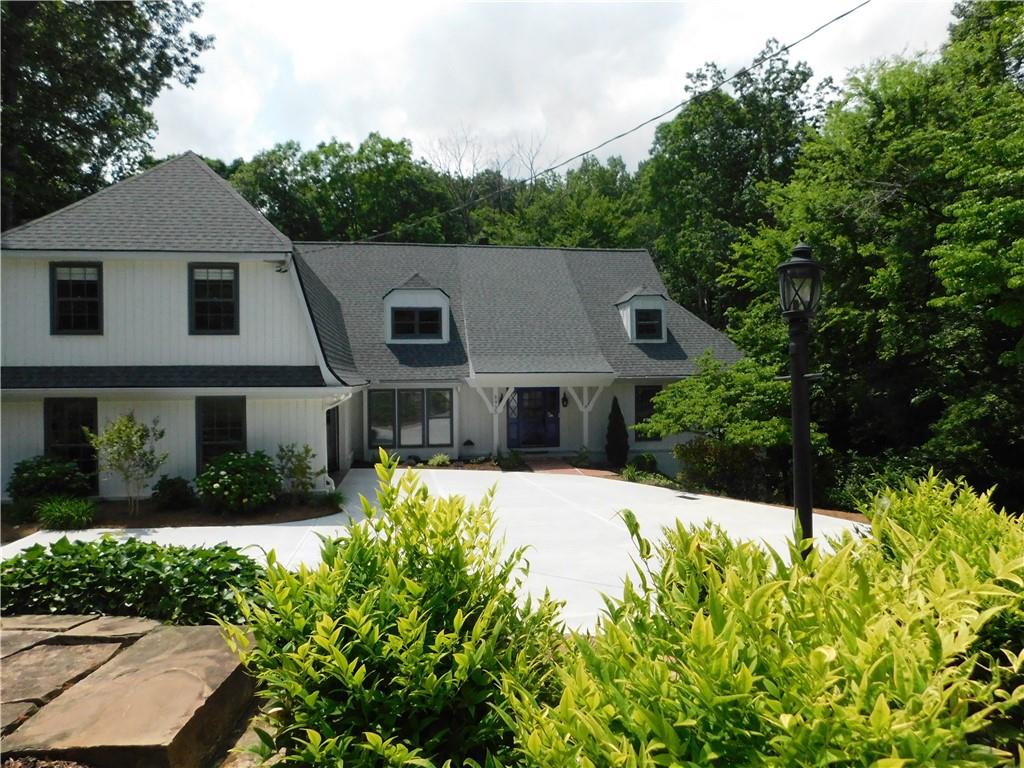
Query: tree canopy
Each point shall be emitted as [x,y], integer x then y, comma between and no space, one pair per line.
[78,80]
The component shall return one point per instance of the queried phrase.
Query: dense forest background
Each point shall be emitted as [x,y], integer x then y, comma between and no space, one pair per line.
[907,180]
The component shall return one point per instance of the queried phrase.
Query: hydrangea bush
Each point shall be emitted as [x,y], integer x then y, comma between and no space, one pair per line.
[239,481]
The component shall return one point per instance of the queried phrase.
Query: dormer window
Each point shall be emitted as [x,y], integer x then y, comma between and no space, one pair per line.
[643,315]
[648,324]
[416,322]
[416,312]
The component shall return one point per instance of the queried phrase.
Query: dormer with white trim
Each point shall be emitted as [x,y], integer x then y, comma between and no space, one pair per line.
[417,312]
[643,315]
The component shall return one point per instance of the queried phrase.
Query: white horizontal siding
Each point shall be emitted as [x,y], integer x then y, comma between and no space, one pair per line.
[145,318]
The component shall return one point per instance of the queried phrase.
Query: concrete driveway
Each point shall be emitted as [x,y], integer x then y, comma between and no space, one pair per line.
[578,548]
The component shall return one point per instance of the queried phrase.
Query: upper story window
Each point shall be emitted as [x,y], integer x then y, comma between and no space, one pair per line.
[76,298]
[213,299]
[416,322]
[648,324]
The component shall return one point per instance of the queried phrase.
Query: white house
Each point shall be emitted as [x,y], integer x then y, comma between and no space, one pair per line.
[168,295]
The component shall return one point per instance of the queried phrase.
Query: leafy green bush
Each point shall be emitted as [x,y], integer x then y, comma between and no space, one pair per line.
[236,482]
[440,460]
[174,493]
[616,443]
[127,447]
[180,585]
[857,479]
[728,654]
[295,466]
[582,458]
[645,462]
[42,477]
[944,525]
[634,475]
[391,652]
[513,462]
[65,514]
[740,471]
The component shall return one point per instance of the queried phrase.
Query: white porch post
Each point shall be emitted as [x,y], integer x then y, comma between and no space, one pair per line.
[495,409]
[586,404]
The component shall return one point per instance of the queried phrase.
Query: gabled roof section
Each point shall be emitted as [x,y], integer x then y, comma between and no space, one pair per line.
[513,310]
[418,282]
[642,290]
[179,205]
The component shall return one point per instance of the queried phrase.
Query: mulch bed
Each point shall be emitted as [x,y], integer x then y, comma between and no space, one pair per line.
[34,762]
[114,514]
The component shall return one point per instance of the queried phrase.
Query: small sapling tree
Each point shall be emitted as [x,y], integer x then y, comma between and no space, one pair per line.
[127,448]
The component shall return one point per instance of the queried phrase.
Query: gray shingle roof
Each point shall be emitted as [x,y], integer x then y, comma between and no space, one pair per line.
[179,205]
[162,376]
[642,290]
[530,310]
[417,282]
[329,325]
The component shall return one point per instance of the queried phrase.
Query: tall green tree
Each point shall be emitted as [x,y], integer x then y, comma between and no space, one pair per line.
[705,179]
[77,80]
[913,197]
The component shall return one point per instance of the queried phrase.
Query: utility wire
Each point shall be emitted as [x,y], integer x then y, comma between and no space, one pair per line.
[579,155]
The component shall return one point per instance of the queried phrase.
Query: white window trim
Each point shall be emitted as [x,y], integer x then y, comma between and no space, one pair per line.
[415,299]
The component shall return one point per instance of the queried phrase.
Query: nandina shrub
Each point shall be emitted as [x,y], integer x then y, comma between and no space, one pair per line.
[392,650]
[728,654]
[239,481]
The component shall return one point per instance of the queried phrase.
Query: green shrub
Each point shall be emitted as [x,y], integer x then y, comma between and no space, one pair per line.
[65,514]
[440,460]
[174,493]
[42,477]
[616,444]
[582,458]
[740,471]
[391,652]
[237,482]
[943,525]
[634,475]
[295,466]
[728,654]
[645,462]
[857,479]
[513,462]
[179,585]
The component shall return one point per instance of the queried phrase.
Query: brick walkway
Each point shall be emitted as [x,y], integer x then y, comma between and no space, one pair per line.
[556,465]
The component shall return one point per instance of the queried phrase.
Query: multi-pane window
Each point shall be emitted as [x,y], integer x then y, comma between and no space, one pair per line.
[76,298]
[63,435]
[648,324]
[220,427]
[213,298]
[416,322]
[410,418]
[644,408]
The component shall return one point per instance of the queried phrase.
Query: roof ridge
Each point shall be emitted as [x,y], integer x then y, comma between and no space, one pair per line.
[249,207]
[97,193]
[336,243]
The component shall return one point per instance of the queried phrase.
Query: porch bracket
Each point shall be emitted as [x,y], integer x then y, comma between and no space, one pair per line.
[586,405]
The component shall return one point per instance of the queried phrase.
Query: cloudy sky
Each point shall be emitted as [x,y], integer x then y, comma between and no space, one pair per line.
[558,77]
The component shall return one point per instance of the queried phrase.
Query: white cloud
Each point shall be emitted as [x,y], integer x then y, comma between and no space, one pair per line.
[574,74]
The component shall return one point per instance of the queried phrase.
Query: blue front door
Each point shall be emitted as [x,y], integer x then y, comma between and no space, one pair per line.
[533,418]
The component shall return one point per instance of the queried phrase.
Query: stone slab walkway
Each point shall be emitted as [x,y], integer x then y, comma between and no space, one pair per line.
[118,692]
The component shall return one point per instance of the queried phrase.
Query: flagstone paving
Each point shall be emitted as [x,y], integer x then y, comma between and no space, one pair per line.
[118,692]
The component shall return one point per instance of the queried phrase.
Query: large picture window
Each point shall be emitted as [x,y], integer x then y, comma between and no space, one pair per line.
[220,427]
[648,324]
[76,298]
[644,409]
[212,299]
[416,322]
[410,418]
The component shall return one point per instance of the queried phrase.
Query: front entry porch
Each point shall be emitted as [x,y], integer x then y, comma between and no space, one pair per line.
[540,413]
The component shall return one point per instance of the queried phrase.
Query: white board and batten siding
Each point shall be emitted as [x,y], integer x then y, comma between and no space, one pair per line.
[269,423]
[145,317]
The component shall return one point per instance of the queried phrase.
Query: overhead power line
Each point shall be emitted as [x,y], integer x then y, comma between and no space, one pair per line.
[591,150]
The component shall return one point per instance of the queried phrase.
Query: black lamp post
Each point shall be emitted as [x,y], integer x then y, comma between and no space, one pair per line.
[799,292]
